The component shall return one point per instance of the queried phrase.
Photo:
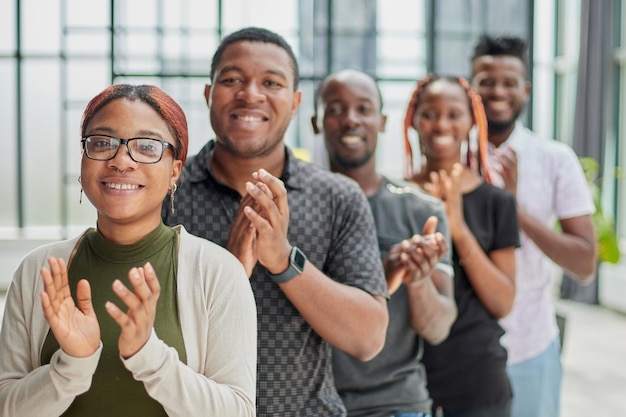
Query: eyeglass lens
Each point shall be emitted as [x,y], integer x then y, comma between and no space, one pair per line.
[142,150]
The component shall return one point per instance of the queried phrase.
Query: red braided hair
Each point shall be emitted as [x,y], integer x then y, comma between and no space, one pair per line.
[480,120]
[153,96]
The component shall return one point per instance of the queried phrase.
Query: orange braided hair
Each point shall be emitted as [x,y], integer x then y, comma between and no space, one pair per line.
[408,123]
[480,120]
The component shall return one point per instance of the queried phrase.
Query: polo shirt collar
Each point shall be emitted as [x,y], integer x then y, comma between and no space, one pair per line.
[199,167]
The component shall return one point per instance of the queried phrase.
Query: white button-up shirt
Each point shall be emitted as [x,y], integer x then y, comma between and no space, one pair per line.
[550,186]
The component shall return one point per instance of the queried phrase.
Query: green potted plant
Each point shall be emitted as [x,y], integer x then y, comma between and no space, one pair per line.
[608,246]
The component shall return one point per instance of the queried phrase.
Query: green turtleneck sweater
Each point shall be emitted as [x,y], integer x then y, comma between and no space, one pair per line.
[114,391]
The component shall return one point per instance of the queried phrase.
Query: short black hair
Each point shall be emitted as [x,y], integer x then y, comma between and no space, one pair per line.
[501,45]
[255,34]
[319,89]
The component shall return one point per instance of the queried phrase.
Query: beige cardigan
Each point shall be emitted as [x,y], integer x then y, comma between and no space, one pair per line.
[218,320]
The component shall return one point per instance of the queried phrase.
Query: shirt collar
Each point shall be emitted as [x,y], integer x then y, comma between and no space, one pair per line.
[516,138]
[198,167]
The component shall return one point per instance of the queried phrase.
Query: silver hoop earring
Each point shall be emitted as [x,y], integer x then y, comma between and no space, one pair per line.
[172,191]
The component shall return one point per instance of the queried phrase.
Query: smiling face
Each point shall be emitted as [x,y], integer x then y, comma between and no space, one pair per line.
[252,98]
[352,118]
[500,81]
[443,120]
[125,192]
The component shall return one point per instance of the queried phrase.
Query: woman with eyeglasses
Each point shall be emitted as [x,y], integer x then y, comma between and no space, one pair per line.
[132,318]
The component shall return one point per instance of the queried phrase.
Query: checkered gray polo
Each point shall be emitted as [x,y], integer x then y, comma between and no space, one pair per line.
[332,223]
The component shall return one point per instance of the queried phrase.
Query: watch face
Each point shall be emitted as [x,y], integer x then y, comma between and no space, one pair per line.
[299,259]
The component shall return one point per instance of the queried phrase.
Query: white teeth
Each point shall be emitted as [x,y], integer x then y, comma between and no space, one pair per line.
[249,118]
[498,105]
[351,139]
[443,140]
[121,186]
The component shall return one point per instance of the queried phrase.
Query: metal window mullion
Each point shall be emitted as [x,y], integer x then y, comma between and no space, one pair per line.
[63,122]
[19,115]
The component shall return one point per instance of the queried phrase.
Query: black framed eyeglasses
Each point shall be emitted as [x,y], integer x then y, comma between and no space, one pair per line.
[142,150]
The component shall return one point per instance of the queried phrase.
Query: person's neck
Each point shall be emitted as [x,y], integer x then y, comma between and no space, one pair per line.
[468,180]
[234,170]
[498,138]
[439,165]
[128,233]
[366,176]
[423,175]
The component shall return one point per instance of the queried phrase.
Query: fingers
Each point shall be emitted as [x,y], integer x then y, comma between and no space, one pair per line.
[58,270]
[242,242]
[145,288]
[48,311]
[457,170]
[421,256]
[264,213]
[152,280]
[138,321]
[258,222]
[433,185]
[83,298]
[509,159]
[392,261]
[242,233]
[55,281]
[430,226]
[435,239]
[276,189]
[142,301]
[49,296]
[441,244]
[269,219]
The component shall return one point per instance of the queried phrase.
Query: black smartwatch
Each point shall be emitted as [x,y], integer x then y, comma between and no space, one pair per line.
[296,266]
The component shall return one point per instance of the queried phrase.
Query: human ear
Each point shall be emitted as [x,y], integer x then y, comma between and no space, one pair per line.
[316,128]
[383,123]
[207,95]
[177,168]
[297,98]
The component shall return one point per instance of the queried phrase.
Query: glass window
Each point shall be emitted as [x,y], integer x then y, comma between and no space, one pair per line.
[7,28]
[279,15]
[396,99]
[200,15]
[40,24]
[170,43]
[8,156]
[41,144]
[138,14]
[90,14]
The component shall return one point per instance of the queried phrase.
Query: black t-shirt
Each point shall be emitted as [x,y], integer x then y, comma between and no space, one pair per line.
[468,370]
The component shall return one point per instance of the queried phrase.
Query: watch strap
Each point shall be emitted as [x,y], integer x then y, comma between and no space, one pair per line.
[297,259]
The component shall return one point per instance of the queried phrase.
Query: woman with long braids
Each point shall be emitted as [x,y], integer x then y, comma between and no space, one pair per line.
[132,318]
[467,372]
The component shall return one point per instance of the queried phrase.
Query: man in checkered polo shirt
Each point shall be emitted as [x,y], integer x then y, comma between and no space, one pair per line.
[305,235]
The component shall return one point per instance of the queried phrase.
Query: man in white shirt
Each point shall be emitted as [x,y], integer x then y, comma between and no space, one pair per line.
[548,182]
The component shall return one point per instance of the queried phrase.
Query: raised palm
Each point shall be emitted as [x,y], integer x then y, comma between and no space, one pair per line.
[75,327]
